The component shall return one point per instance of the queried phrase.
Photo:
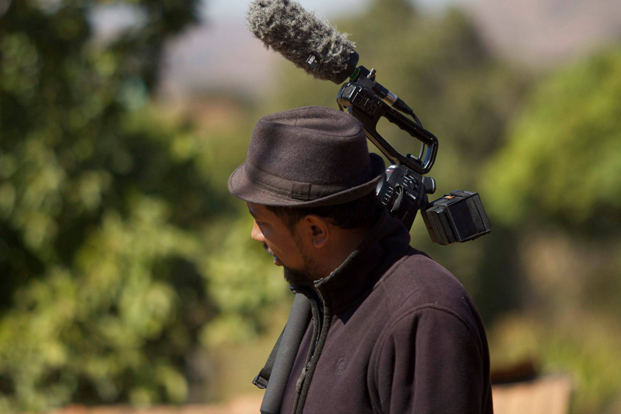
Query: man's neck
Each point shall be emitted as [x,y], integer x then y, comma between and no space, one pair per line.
[343,244]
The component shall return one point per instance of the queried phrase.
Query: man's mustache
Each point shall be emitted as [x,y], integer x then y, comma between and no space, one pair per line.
[268,250]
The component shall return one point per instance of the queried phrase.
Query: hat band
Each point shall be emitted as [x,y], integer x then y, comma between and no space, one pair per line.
[288,188]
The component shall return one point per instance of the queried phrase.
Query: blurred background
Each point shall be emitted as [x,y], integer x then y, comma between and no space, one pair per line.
[127,272]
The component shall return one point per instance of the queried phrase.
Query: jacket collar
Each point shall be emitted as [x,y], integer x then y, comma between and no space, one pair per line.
[385,243]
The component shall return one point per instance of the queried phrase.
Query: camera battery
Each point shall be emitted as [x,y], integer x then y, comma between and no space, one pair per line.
[458,216]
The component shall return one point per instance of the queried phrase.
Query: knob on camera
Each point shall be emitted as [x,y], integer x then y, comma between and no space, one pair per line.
[402,191]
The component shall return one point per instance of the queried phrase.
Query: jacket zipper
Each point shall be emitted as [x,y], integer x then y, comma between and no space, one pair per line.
[318,319]
[311,366]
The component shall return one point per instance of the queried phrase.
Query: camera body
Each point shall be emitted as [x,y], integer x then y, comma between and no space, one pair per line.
[403,191]
[457,217]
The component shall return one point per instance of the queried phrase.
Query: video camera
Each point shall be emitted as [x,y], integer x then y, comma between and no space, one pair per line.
[458,216]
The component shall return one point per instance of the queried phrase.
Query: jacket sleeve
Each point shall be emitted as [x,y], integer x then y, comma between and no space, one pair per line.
[428,362]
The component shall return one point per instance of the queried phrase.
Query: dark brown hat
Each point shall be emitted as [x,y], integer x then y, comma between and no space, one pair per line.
[307,157]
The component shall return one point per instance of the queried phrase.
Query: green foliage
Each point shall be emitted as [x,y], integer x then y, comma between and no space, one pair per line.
[244,285]
[563,158]
[559,173]
[107,212]
[91,323]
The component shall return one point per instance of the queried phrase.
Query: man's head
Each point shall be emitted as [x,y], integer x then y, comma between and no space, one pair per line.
[309,181]
[311,242]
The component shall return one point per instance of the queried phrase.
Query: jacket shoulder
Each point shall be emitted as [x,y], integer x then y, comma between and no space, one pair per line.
[416,282]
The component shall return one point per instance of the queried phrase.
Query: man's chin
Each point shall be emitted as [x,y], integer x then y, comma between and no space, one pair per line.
[296,277]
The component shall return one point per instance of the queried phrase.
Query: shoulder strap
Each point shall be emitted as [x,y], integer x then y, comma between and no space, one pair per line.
[282,357]
[263,376]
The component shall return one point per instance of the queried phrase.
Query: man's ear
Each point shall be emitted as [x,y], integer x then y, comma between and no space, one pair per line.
[318,229]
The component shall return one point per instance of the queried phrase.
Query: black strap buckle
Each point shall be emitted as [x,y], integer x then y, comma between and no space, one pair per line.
[259,381]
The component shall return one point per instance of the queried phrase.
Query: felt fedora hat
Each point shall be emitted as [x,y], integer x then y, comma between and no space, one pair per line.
[307,157]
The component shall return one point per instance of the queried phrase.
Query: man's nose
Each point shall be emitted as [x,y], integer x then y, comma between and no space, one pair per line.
[256,233]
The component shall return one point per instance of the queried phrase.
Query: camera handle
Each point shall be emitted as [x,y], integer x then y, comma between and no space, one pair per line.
[368,101]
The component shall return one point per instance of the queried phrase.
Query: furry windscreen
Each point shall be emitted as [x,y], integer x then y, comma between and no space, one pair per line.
[296,33]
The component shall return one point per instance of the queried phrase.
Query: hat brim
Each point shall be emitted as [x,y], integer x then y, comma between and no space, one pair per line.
[242,187]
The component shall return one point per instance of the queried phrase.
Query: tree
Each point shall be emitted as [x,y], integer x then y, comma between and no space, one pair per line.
[104,203]
[556,184]
[563,156]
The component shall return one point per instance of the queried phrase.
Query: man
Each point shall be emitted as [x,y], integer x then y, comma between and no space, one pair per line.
[394,332]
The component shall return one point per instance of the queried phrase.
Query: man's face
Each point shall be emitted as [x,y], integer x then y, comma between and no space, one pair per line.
[287,246]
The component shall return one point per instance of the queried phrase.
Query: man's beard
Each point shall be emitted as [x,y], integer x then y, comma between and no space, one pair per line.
[306,276]
[293,277]
[297,277]
[302,277]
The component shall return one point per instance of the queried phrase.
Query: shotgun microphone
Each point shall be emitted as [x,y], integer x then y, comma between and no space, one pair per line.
[302,38]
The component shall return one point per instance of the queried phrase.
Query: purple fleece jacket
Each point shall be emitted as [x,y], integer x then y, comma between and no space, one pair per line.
[398,334]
